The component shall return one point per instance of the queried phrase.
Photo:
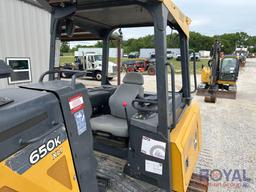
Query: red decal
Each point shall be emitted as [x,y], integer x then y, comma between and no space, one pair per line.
[76,103]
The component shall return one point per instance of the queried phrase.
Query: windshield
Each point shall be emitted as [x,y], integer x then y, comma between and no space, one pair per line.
[228,65]
[98,57]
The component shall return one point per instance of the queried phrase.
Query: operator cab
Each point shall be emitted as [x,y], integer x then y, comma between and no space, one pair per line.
[144,129]
[229,68]
[117,109]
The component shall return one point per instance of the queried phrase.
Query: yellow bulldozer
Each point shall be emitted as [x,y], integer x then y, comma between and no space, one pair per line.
[59,136]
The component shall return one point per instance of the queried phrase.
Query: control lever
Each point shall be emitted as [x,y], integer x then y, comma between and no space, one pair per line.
[131,148]
[126,113]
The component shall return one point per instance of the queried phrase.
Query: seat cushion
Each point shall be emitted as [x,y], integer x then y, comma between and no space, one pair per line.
[110,124]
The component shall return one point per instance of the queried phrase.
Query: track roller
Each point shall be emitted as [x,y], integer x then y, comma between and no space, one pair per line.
[198,183]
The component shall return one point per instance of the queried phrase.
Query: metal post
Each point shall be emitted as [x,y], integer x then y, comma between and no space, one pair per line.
[185,67]
[105,59]
[160,14]
[161,71]
[194,72]
[84,62]
[56,16]
[119,52]
[118,61]
[54,26]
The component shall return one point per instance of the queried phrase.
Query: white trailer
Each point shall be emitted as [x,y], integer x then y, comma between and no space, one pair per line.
[147,52]
[98,51]
[204,54]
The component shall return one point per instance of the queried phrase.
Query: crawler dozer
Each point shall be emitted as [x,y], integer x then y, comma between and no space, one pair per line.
[58,135]
[219,77]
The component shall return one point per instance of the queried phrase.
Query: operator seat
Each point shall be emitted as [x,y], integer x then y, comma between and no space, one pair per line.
[115,123]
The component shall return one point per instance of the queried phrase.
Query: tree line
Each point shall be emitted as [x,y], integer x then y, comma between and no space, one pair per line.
[197,42]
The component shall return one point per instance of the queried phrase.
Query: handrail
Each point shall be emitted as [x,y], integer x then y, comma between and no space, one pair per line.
[194,72]
[173,95]
[74,76]
[41,78]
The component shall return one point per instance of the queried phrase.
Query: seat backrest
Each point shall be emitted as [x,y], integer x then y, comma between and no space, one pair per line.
[132,87]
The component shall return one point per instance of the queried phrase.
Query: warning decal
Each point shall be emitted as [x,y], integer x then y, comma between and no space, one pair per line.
[154,167]
[153,147]
[76,103]
[80,122]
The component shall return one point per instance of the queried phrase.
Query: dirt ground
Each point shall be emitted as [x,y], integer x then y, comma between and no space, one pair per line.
[229,136]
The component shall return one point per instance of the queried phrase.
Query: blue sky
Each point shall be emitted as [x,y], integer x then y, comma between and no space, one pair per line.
[210,17]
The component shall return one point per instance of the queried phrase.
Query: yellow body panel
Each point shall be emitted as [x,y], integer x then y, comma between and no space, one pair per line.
[226,82]
[185,145]
[39,177]
[182,20]
[206,75]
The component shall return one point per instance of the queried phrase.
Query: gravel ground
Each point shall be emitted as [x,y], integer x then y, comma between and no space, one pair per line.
[229,136]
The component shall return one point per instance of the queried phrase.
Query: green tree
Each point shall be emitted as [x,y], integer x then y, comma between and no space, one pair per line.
[197,42]
[232,40]
[173,40]
[99,44]
[64,47]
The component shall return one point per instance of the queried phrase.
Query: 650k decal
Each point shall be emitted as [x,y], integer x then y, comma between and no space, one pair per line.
[43,150]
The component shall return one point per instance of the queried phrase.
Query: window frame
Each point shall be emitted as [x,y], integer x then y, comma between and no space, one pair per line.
[10,82]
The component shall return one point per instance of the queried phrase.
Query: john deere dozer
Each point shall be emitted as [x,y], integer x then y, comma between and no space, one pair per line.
[144,141]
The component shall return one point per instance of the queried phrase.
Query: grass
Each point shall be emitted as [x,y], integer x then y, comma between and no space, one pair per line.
[66,59]
[68,54]
[177,65]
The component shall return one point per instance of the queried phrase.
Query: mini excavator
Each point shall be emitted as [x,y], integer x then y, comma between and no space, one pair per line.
[219,77]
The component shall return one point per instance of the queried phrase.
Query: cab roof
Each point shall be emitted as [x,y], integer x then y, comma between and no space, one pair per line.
[111,14]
